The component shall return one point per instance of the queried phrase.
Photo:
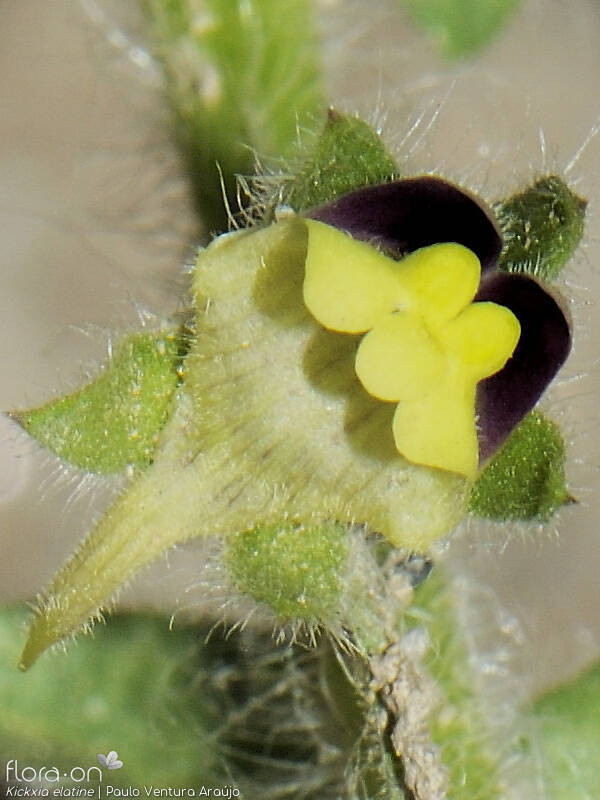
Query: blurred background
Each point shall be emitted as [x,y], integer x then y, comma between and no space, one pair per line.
[96,225]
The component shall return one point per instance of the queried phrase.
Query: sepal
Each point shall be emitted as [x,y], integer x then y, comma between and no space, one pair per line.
[113,422]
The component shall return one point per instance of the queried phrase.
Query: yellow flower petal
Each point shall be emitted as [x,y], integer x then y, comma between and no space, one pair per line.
[441,281]
[482,338]
[438,429]
[400,359]
[427,345]
[348,284]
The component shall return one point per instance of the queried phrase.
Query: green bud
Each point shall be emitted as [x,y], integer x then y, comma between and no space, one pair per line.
[526,478]
[542,227]
[329,576]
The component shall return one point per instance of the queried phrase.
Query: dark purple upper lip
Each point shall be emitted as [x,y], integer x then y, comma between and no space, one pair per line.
[402,216]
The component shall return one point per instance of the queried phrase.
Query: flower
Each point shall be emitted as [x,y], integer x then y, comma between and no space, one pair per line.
[423,346]
[270,422]
[445,360]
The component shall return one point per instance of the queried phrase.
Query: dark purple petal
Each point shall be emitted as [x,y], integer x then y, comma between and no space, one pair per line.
[506,397]
[402,216]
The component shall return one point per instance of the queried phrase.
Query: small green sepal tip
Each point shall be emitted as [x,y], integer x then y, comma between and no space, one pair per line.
[348,154]
[542,227]
[113,422]
[526,479]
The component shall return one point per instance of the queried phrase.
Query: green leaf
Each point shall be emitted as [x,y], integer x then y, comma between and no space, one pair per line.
[568,737]
[113,422]
[460,28]
[348,154]
[133,688]
[526,478]
[542,227]
[242,79]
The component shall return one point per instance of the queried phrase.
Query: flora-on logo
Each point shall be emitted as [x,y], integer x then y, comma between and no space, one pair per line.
[111,761]
[16,774]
